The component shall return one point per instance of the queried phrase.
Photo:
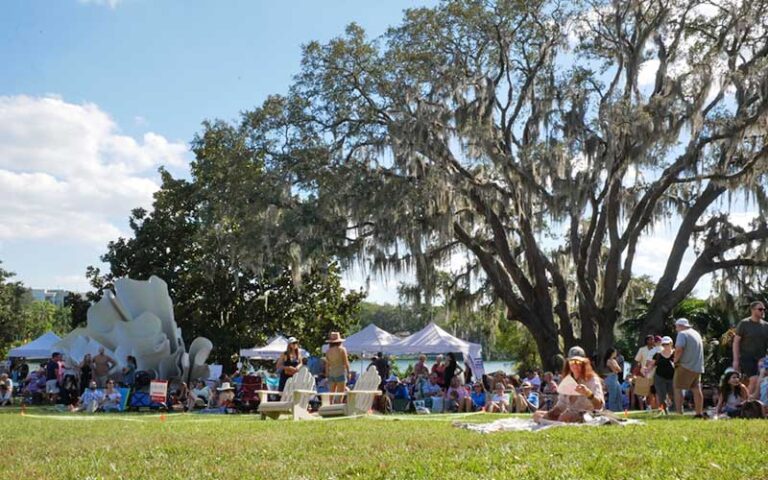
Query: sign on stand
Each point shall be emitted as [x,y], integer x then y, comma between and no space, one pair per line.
[158,391]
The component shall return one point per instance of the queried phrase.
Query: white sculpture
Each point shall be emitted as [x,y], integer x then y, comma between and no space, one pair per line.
[138,320]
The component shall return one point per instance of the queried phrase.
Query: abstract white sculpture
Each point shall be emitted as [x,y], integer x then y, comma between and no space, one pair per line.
[138,320]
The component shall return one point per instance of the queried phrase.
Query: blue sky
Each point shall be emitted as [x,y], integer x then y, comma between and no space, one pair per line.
[95,95]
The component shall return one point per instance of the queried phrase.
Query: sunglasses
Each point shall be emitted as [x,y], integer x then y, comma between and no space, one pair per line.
[575,362]
[760,309]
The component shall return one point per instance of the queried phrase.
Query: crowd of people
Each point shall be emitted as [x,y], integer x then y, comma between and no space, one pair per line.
[666,375]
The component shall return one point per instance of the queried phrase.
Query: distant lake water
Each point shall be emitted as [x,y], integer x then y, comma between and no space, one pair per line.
[507,366]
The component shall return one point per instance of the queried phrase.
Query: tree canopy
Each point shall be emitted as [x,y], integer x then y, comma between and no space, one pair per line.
[545,140]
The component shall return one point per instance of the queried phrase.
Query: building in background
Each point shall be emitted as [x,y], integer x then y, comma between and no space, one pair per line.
[54,296]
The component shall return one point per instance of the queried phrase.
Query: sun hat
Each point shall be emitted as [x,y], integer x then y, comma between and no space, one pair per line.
[526,385]
[335,337]
[682,322]
[225,386]
[665,340]
[293,340]
[577,353]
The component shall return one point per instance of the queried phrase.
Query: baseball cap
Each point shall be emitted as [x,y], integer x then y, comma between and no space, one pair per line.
[682,322]
[665,340]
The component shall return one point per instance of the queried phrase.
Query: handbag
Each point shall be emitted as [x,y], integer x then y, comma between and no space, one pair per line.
[643,386]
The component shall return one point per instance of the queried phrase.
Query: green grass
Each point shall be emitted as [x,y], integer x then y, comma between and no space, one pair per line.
[43,444]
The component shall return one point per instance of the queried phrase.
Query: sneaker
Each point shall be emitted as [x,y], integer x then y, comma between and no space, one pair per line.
[701,415]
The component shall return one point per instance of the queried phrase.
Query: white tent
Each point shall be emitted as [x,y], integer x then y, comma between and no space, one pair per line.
[271,351]
[371,339]
[40,347]
[433,339]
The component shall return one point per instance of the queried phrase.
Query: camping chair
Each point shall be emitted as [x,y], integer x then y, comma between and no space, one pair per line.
[359,399]
[125,392]
[294,399]
[249,397]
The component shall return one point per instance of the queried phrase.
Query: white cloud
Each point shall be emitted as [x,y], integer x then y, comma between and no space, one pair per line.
[67,173]
[108,3]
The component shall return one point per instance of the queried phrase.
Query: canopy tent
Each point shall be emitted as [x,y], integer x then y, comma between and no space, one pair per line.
[271,351]
[41,347]
[433,339]
[371,339]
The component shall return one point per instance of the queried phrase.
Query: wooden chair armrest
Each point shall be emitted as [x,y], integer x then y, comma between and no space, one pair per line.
[263,394]
[364,392]
[298,392]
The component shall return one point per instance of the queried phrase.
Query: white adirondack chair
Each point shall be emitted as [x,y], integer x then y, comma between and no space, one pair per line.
[359,399]
[294,399]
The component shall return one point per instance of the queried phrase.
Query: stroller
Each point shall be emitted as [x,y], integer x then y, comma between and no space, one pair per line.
[140,396]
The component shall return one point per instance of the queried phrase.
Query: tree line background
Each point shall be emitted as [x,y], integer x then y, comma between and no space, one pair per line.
[523,139]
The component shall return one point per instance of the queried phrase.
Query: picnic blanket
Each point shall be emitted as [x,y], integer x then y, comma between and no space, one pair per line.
[528,425]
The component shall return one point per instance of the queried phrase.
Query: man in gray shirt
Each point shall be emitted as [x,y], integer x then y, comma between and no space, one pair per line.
[750,345]
[689,365]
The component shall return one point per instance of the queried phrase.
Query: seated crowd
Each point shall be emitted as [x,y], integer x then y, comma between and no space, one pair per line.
[444,387]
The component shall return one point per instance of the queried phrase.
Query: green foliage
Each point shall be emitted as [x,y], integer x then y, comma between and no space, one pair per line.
[709,319]
[79,309]
[516,343]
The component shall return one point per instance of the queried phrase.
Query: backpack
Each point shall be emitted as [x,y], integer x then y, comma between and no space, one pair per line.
[752,409]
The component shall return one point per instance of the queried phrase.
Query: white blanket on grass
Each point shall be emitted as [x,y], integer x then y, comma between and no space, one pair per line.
[528,425]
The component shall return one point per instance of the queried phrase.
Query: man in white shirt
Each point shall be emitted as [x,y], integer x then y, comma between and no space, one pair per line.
[645,354]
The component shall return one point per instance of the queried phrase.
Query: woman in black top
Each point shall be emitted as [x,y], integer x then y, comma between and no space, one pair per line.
[289,362]
[665,372]
[451,369]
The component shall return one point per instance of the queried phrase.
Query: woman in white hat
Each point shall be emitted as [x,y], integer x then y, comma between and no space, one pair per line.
[336,365]
[226,397]
[587,395]
[665,372]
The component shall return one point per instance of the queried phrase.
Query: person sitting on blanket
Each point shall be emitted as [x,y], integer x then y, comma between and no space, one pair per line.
[527,401]
[588,395]
[464,402]
[90,400]
[499,401]
[396,390]
[733,394]
[478,397]
[112,398]
[6,395]
[201,395]
[432,388]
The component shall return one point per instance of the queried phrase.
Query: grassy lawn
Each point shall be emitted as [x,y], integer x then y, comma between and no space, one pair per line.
[43,444]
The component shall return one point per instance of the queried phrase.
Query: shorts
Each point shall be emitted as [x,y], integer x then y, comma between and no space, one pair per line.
[685,379]
[52,386]
[337,379]
[748,366]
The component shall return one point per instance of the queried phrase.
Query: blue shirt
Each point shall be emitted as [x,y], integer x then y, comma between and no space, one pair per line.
[478,399]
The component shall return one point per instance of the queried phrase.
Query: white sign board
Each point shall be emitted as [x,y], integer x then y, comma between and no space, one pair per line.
[158,391]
